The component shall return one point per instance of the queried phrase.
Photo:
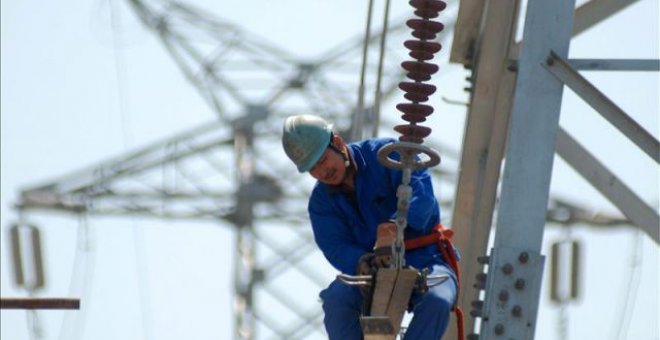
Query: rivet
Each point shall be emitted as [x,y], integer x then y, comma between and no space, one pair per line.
[503,296]
[550,61]
[513,66]
[507,269]
[524,257]
[520,284]
[499,329]
[481,277]
[516,311]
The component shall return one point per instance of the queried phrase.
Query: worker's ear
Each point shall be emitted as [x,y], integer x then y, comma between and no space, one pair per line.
[338,141]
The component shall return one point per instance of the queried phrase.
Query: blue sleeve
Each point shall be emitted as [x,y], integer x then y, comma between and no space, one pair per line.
[333,236]
[423,212]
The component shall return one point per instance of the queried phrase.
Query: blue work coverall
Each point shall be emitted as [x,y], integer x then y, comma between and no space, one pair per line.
[345,229]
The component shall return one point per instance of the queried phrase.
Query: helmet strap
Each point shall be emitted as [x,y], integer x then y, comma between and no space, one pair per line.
[334,147]
[347,161]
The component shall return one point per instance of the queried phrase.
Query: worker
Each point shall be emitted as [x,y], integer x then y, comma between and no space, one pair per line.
[352,209]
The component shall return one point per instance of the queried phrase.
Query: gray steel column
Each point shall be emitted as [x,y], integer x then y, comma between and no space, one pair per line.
[516,265]
[483,145]
[244,269]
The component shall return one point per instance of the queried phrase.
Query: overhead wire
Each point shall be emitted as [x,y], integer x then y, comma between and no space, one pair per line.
[360,112]
[378,94]
[356,128]
[141,266]
[82,276]
[84,259]
[629,295]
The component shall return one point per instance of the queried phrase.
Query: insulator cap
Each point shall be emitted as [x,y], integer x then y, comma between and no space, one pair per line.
[426,46]
[414,112]
[419,70]
[423,34]
[432,27]
[417,92]
[422,50]
[431,5]
[412,133]
[420,66]
[419,88]
[416,97]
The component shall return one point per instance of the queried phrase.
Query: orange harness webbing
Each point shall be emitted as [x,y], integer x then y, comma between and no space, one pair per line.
[442,237]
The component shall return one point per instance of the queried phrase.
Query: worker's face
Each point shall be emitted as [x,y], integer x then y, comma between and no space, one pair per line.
[330,169]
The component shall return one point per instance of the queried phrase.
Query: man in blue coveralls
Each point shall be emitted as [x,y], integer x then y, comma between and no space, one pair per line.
[352,208]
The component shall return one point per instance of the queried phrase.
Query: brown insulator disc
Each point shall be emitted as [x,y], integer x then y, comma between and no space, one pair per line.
[419,67]
[416,97]
[418,76]
[420,55]
[425,25]
[426,13]
[423,34]
[434,5]
[418,88]
[412,133]
[415,112]
[426,46]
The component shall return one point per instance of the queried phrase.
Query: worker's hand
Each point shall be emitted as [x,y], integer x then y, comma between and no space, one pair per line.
[365,266]
[385,234]
[385,237]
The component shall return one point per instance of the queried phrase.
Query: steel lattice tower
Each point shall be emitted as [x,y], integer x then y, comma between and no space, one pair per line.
[230,170]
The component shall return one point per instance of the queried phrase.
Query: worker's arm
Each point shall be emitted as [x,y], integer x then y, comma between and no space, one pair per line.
[333,236]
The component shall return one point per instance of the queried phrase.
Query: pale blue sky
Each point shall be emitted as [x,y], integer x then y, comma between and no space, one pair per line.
[144,279]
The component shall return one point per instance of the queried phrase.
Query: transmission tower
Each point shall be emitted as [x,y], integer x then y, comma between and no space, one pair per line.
[229,171]
[514,113]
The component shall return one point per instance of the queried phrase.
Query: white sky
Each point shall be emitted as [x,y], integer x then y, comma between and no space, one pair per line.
[62,80]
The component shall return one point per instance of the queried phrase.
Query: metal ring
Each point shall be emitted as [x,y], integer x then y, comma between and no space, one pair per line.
[383,156]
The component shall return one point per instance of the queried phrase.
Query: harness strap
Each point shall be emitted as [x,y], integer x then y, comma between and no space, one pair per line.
[438,232]
[442,237]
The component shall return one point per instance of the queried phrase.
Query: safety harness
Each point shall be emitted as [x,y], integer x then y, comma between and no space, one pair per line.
[441,236]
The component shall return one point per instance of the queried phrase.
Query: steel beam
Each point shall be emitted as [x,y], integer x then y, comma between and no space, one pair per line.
[633,207]
[484,142]
[615,64]
[467,31]
[511,301]
[469,24]
[606,107]
[595,11]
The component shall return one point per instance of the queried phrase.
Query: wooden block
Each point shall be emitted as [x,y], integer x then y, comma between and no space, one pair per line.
[385,279]
[404,285]
[393,289]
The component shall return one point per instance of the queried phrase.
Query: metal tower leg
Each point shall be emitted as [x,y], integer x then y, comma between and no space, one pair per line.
[516,265]
[484,143]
